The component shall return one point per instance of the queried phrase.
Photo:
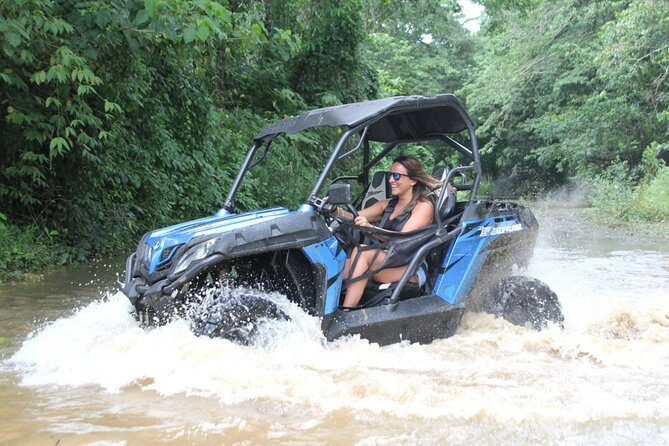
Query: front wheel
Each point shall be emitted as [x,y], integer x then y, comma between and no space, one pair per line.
[234,314]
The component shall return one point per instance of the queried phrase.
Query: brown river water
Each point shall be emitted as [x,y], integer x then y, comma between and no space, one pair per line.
[75,369]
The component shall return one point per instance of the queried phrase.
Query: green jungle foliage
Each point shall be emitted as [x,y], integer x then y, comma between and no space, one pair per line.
[571,88]
[28,250]
[120,116]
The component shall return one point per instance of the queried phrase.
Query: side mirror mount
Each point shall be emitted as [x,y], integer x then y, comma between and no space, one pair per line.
[339,194]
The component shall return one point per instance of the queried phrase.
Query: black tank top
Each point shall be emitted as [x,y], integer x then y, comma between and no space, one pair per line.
[397,223]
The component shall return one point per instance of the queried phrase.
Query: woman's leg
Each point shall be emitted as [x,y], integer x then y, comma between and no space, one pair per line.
[349,261]
[388,275]
[370,259]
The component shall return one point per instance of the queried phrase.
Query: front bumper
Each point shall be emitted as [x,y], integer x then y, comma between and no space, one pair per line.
[160,296]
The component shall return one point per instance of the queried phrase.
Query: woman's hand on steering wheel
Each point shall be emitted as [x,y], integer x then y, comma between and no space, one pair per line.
[362,221]
[358,219]
[334,213]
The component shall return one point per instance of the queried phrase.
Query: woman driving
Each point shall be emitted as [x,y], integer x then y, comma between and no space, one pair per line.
[409,209]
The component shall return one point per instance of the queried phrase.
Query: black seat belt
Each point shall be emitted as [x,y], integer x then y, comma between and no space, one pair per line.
[387,211]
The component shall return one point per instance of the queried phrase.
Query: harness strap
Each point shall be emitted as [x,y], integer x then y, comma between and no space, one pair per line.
[392,204]
[390,207]
[388,210]
[349,278]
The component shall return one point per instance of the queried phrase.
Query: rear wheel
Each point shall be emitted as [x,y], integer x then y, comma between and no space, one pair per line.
[525,301]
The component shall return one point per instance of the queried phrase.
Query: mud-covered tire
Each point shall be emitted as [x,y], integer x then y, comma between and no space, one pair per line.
[234,314]
[526,301]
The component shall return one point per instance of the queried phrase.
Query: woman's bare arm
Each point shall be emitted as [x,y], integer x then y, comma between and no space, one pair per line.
[421,216]
[371,214]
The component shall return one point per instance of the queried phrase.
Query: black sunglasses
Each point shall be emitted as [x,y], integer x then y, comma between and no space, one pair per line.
[396,175]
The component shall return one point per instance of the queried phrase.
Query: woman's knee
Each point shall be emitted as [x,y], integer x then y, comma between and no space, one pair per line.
[370,256]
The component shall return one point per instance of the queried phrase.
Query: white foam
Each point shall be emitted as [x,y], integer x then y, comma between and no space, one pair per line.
[610,362]
[489,367]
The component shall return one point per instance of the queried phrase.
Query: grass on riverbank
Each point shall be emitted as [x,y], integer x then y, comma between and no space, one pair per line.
[26,252]
[617,201]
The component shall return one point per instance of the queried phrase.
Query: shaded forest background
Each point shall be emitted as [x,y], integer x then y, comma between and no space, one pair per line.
[120,116]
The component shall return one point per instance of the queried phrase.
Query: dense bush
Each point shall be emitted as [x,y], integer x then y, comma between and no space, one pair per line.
[29,250]
[623,198]
[121,116]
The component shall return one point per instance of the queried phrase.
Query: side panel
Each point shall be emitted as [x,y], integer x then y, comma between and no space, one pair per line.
[333,259]
[471,250]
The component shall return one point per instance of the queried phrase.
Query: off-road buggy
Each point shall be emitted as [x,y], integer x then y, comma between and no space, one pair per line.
[464,259]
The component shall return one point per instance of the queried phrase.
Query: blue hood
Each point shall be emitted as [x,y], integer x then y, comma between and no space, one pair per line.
[165,238]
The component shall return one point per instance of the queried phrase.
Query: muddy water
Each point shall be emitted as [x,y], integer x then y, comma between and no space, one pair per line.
[75,369]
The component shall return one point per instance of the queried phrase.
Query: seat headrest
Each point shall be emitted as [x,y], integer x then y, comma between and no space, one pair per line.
[379,189]
[379,178]
[440,172]
[448,204]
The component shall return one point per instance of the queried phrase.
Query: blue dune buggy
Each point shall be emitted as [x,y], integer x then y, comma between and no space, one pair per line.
[463,260]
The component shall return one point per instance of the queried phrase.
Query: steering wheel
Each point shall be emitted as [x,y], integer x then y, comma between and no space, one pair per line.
[342,227]
[352,210]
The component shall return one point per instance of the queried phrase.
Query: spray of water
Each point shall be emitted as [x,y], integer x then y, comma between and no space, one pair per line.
[290,361]
[611,361]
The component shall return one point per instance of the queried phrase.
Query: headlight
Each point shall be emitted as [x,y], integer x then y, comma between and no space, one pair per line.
[197,252]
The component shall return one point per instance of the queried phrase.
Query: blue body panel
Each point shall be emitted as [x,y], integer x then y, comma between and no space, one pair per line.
[468,253]
[463,261]
[325,253]
[208,226]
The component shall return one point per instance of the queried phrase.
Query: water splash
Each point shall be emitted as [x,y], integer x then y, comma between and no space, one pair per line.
[489,366]
[236,314]
[603,378]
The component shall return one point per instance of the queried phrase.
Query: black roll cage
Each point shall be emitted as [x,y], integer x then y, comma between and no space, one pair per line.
[388,117]
[393,121]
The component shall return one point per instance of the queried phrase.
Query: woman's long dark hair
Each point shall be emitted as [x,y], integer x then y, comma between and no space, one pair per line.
[425,183]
